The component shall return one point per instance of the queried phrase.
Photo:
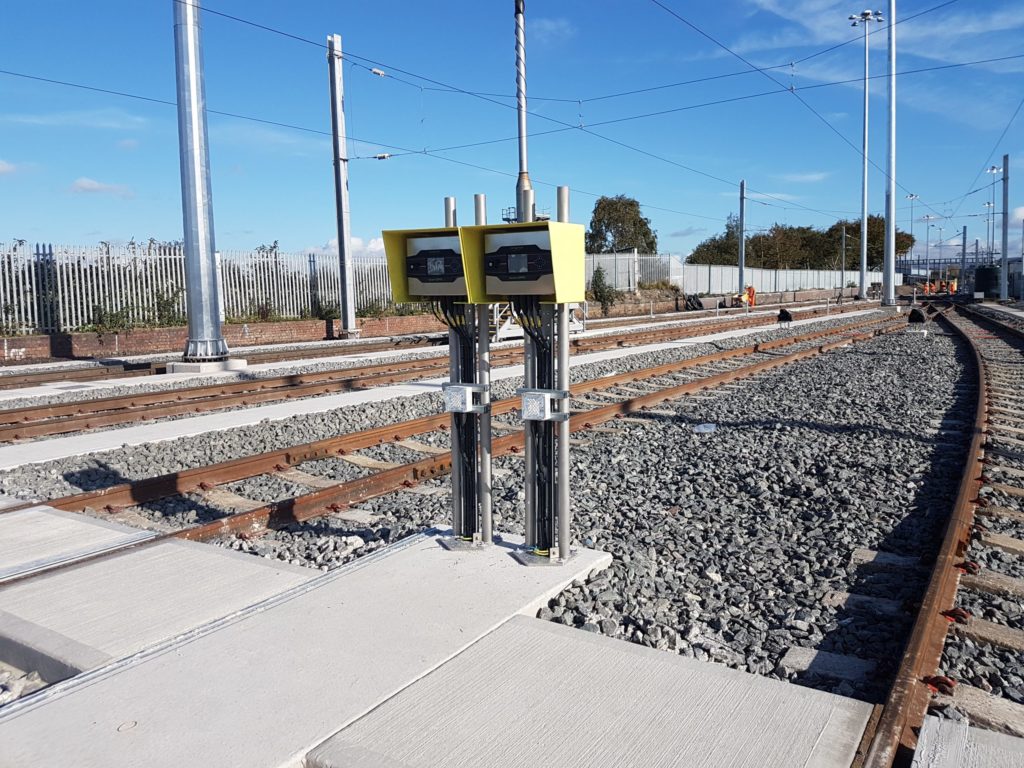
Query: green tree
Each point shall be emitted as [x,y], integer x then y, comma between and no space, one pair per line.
[788,247]
[720,249]
[617,225]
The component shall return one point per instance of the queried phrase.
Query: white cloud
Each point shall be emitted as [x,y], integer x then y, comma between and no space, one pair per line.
[128,144]
[688,232]
[1017,215]
[374,248]
[7,168]
[85,185]
[109,119]
[546,31]
[805,178]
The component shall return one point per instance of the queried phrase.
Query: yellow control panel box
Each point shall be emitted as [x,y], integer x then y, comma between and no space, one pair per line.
[424,264]
[541,258]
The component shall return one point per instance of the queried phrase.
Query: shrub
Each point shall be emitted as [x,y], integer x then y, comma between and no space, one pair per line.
[602,291]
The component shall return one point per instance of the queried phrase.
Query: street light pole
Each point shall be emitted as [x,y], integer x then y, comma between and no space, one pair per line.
[988,227]
[862,20]
[1004,272]
[889,260]
[912,198]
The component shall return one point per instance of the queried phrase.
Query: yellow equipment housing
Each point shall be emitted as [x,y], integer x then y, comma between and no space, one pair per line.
[425,263]
[537,258]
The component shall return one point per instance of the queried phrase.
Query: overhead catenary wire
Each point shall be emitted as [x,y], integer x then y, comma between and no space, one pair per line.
[798,97]
[782,203]
[351,56]
[988,157]
[400,150]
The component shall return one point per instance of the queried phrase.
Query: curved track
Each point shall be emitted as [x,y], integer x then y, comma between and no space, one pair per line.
[991,487]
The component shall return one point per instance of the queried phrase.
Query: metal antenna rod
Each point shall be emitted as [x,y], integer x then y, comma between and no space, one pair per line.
[524,190]
[205,339]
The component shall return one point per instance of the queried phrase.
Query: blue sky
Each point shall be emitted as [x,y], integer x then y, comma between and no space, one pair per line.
[80,166]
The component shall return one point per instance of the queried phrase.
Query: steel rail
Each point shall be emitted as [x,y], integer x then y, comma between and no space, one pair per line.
[62,418]
[185,481]
[907,703]
[337,497]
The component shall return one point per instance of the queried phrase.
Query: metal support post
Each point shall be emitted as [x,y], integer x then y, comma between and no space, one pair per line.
[205,339]
[529,455]
[862,287]
[842,268]
[742,259]
[341,204]
[563,508]
[889,262]
[1004,272]
[962,284]
[483,378]
[454,376]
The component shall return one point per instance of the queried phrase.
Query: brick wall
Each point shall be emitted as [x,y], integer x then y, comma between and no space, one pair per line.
[144,341]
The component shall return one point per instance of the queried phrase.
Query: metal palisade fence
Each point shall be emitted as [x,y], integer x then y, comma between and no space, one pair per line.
[61,288]
[628,271]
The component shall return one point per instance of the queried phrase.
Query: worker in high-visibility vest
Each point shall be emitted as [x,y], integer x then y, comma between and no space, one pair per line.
[751,296]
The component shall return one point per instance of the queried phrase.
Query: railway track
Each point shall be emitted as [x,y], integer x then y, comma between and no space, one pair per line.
[595,402]
[987,519]
[79,415]
[10,378]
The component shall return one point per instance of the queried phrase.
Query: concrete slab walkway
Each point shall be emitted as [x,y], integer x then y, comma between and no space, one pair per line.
[263,687]
[534,692]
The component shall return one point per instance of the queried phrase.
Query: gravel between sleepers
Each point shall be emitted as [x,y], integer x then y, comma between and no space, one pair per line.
[63,477]
[724,544]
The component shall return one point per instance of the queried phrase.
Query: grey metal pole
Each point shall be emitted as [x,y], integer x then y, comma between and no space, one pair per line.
[1004,272]
[889,263]
[862,289]
[205,339]
[927,254]
[563,508]
[524,190]
[962,285]
[842,268]
[454,376]
[742,261]
[483,377]
[337,67]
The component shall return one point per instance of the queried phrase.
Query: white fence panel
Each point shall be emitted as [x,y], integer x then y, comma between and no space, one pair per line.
[47,288]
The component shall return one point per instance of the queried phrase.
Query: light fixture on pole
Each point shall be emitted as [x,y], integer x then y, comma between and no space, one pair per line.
[993,169]
[862,19]
[989,225]
[927,218]
[912,198]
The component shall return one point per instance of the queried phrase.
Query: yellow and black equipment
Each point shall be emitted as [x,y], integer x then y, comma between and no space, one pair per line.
[538,267]
[427,265]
